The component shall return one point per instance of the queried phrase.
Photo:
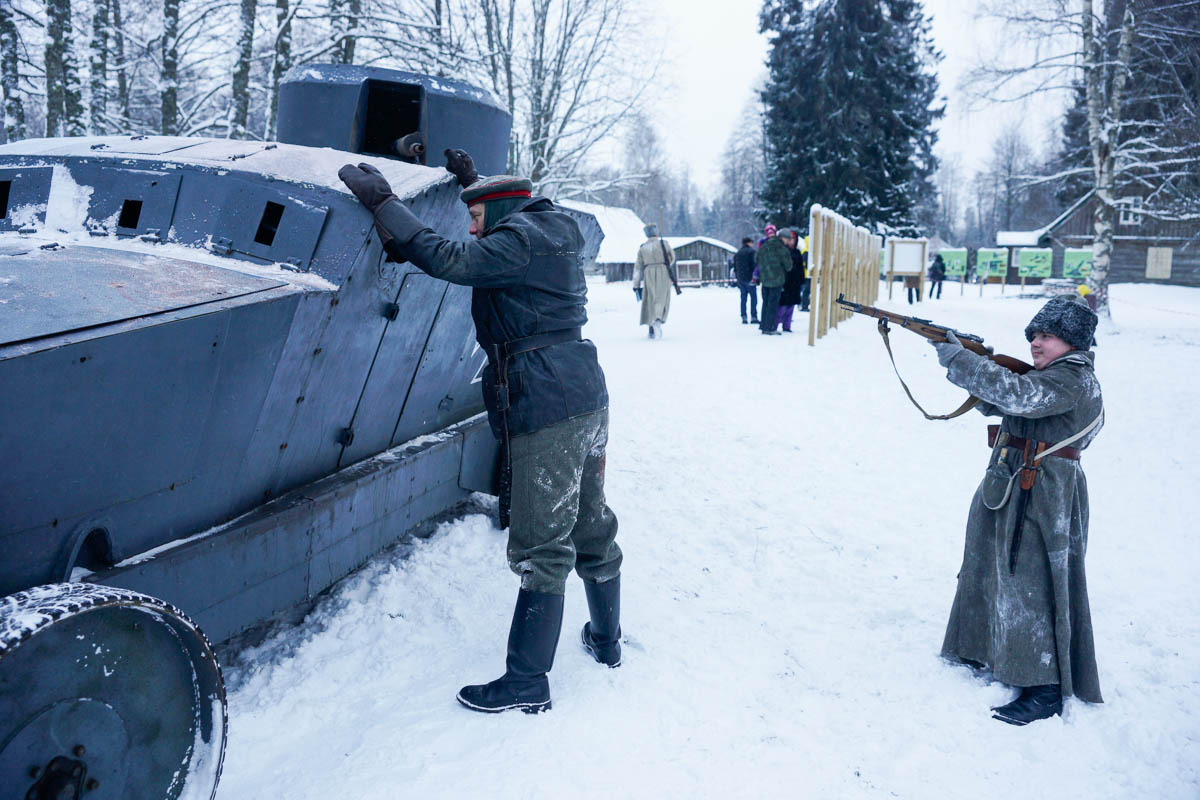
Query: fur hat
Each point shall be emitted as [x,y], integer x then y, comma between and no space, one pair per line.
[1069,318]
[496,188]
[650,230]
[786,233]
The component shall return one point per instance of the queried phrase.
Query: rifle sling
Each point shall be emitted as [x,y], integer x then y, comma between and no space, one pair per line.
[967,405]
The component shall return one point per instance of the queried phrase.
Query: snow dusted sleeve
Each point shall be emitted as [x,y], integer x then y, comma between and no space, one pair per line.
[1039,393]
[639,267]
[498,260]
[988,410]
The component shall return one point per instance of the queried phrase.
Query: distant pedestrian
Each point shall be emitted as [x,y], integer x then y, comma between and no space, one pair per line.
[937,274]
[912,283]
[773,262]
[768,232]
[654,274]
[804,286]
[1084,291]
[789,298]
[743,273]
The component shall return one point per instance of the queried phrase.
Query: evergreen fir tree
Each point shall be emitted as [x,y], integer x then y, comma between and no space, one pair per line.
[1074,151]
[683,221]
[851,102]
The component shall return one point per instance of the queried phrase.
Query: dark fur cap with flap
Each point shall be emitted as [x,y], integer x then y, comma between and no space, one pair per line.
[1069,318]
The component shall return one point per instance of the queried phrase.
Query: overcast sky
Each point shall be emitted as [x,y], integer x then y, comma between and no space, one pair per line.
[716,57]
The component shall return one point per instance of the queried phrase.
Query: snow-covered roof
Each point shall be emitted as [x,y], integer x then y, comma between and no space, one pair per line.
[623,233]
[677,242]
[1033,238]
[1019,238]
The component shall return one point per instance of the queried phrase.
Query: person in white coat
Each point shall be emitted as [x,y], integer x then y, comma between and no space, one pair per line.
[653,278]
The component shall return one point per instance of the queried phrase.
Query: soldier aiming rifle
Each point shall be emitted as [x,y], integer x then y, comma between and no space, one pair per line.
[1021,608]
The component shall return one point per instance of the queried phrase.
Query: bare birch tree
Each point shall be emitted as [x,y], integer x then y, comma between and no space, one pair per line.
[569,71]
[281,61]
[118,41]
[10,75]
[169,75]
[1138,54]
[240,107]
[64,94]
[98,79]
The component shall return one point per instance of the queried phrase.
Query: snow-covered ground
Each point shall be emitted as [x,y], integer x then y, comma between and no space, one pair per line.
[792,529]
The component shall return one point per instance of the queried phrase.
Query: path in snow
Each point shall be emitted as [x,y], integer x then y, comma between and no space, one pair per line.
[792,529]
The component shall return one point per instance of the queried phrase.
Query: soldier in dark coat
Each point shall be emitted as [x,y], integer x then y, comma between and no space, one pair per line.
[1021,607]
[547,404]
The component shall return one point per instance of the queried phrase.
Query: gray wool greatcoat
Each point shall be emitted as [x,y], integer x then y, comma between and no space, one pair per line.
[1032,627]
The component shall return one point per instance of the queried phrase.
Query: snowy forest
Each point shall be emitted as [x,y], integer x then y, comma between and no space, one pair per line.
[846,114]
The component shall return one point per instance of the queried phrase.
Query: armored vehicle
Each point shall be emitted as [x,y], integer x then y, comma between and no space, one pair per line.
[217,398]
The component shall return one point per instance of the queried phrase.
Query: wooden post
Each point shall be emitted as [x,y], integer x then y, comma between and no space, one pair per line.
[891,258]
[814,260]
[828,266]
[835,311]
[921,282]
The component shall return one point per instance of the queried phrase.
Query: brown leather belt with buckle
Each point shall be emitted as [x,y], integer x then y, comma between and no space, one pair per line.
[1018,443]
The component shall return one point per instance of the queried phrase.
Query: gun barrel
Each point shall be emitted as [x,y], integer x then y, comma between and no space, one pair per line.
[841,299]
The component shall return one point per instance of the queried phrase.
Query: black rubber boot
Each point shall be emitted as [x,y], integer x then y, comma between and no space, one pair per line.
[602,635]
[1034,703]
[532,640]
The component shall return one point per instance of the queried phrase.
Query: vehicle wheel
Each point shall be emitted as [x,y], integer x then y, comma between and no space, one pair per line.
[106,693]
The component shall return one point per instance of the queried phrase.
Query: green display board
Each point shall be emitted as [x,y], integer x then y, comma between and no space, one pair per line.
[991,262]
[955,261]
[1034,262]
[1077,263]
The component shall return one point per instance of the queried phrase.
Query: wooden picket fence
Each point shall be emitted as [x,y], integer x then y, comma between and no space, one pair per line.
[843,259]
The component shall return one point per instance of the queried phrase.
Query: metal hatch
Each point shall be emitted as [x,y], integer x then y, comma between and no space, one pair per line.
[44,292]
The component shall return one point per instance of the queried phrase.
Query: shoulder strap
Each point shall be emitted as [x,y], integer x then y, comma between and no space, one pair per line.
[1071,439]
[967,405]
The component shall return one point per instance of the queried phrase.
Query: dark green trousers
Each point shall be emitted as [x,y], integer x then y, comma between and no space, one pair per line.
[559,519]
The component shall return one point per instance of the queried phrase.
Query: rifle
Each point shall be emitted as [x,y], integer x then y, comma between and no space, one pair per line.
[937,333]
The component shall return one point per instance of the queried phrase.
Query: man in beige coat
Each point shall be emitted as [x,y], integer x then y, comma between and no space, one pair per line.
[653,277]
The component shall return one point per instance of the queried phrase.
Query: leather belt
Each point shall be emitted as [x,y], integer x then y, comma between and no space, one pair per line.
[538,341]
[1019,443]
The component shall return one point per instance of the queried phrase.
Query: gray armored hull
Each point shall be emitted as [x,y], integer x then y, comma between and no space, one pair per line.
[153,390]
[216,398]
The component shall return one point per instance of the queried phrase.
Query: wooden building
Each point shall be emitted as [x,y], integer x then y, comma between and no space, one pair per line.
[622,236]
[713,255]
[1145,250]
